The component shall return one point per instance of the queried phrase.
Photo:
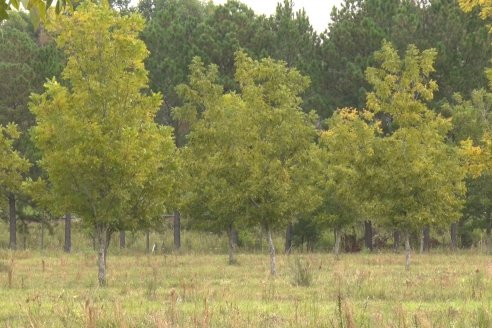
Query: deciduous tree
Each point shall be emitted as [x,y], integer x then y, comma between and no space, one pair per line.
[421,180]
[105,159]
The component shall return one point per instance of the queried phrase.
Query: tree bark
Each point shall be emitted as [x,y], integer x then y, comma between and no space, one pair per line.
[288,238]
[232,245]
[407,251]
[177,230]
[102,234]
[454,236]
[426,238]
[396,241]
[122,239]
[273,265]
[147,241]
[338,237]
[68,234]
[368,235]
[12,222]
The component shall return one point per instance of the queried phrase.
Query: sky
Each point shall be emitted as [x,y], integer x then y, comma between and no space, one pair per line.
[317,10]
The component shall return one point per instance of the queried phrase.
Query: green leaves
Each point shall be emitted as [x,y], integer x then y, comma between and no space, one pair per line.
[402,84]
[248,155]
[105,158]
[420,179]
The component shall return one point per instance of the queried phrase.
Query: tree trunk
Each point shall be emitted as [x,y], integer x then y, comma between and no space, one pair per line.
[232,245]
[177,230]
[407,251]
[122,239]
[12,222]
[338,237]
[454,236]
[147,242]
[68,233]
[422,242]
[102,234]
[426,238]
[488,239]
[396,241]
[368,234]
[288,239]
[273,266]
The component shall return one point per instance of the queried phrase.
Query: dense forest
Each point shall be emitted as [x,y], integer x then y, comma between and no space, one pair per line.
[228,121]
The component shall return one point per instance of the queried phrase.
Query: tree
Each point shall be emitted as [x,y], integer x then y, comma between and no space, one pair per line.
[249,151]
[280,157]
[421,181]
[12,168]
[171,35]
[348,167]
[214,159]
[20,67]
[358,27]
[114,169]
[288,35]
[471,120]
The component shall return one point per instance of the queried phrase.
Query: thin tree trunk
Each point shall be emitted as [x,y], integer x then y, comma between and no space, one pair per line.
[12,222]
[338,237]
[273,266]
[426,236]
[488,239]
[454,236]
[147,241]
[101,232]
[122,239]
[422,242]
[396,241]
[177,230]
[68,233]
[407,251]
[288,239]
[368,234]
[232,245]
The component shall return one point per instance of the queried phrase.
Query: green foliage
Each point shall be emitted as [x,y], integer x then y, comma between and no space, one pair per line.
[348,157]
[37,8]
[105,159]
[358,27]
[421,181]
[248,155]
[13,165]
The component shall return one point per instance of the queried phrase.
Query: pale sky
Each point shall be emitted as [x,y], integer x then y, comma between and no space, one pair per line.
[317,10]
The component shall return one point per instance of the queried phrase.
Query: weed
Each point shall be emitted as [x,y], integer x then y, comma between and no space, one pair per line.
[302,272]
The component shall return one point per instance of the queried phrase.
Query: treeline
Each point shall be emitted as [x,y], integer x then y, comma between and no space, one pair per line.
[264,121]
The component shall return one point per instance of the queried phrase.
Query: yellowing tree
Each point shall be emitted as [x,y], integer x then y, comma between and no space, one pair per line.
[105,159]
[249,151]
[347,171]
[421,181]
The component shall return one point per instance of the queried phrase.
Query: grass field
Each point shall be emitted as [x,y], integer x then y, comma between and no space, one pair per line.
[194,290]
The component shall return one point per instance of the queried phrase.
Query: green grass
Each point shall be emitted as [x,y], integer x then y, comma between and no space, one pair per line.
[199,290]
[196,288]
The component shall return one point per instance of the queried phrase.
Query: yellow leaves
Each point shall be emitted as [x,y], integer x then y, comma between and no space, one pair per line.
[401,85]
[484,5]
